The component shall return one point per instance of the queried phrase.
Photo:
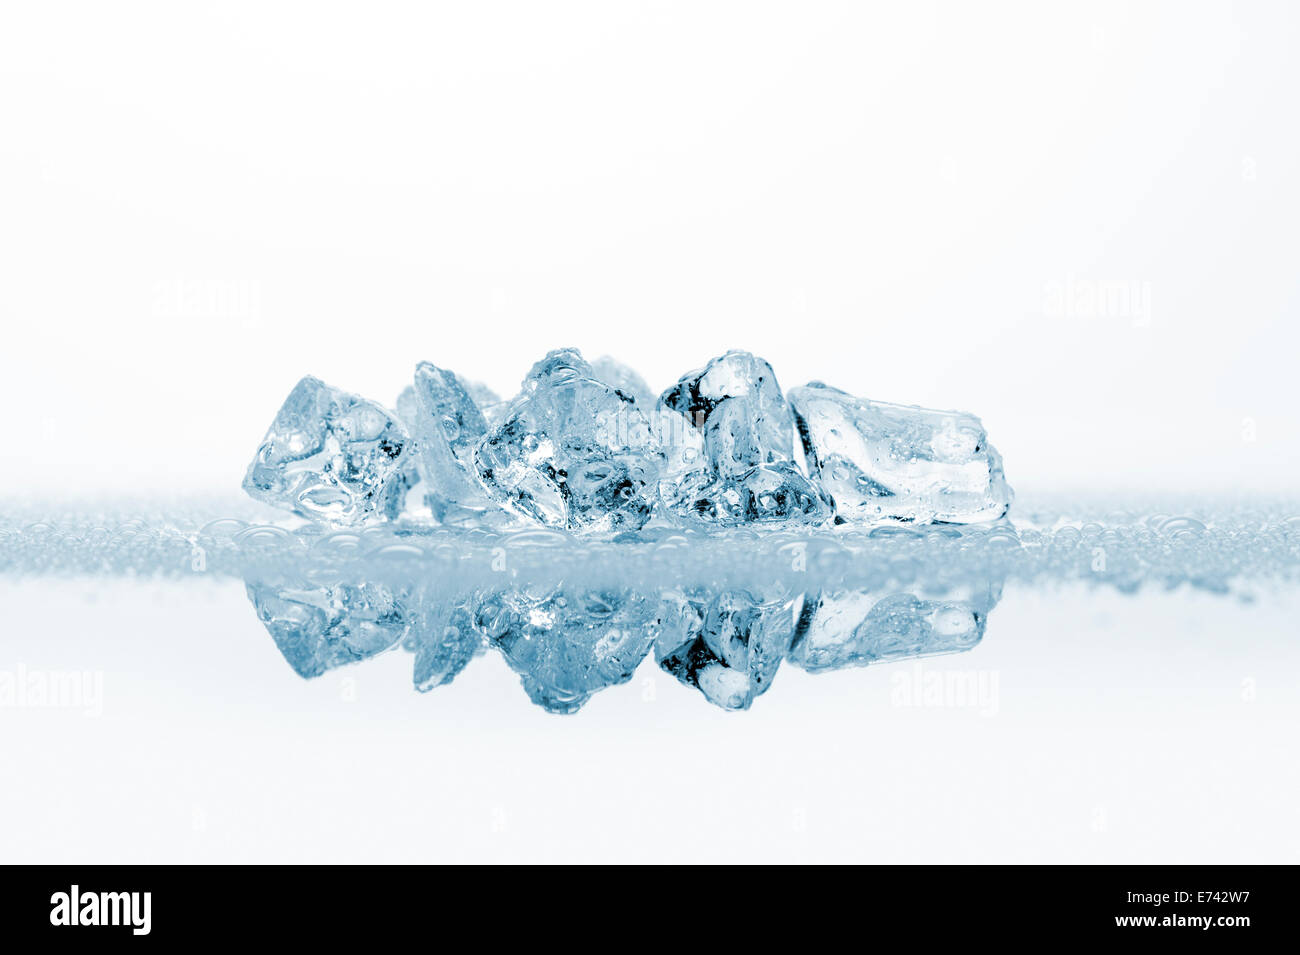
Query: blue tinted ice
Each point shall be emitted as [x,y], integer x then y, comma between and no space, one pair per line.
[880,461]
[443,639]
[728,435]
[581,448]
[328,455]
[620,376]
[572,452]
[318,627]
[843,628]
[446,424]
[407,494]
[727,644]
[768,493]
[566,644]
[482,395]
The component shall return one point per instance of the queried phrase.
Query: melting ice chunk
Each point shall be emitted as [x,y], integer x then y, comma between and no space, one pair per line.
[728,645]
[572,452]
[844,628]
[728,436]
[880,461]
[328,455]
[568,644]
[319,627]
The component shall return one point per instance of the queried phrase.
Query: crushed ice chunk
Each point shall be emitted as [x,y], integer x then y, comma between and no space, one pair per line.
[768,493]
[728,645]
[728,436]
[582,448]
[567,644]
[736,405]
[449,408]
[444,640]
[407,494]
[328,455]
[320,627]
[572,452]
[482,395]
[446,424]
[620,376]
[844,628]
[880,461]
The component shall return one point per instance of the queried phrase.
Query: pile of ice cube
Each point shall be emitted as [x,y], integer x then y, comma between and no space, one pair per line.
[587,448]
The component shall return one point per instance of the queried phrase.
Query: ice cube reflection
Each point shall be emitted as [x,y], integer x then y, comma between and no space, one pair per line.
[569,642]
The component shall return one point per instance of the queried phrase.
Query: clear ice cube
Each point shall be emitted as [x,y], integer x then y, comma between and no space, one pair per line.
[768,493]
[446,424]
[620,376]
[482,395]
[568,644]
[728,645]
[846,628]
[572,452]
[443,639]
[319,627]
[729,440]
[883,462]
[328,455]
[406,496]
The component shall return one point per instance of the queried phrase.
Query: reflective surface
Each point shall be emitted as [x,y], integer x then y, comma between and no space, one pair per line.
[1088,725]
[568,642]
[1091,681]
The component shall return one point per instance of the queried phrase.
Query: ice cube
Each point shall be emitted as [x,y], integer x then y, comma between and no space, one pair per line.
[882,462]
[328,455]
[482,395]
[844,628]
[572,452]
[446,424]
[443,639]
[728,437]
[406,496]
[728,645]
[567,644]
[321,626]
[620,376]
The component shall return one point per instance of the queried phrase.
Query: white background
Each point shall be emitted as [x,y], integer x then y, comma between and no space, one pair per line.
[1159,729]
[201,203]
